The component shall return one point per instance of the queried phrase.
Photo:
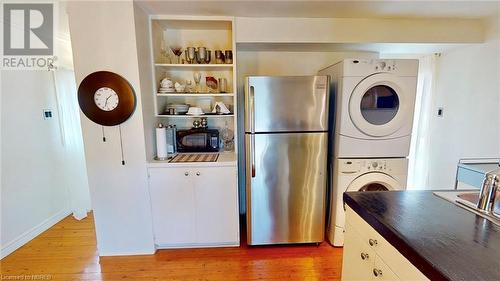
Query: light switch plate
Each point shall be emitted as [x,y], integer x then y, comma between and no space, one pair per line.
[47,114]
[440,111]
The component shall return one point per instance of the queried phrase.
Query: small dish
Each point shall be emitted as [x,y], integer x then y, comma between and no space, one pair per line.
[195,111]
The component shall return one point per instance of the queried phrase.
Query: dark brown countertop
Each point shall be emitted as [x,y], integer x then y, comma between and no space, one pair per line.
[444,241]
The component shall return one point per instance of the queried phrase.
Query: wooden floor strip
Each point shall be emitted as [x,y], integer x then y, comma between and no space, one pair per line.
[68,251]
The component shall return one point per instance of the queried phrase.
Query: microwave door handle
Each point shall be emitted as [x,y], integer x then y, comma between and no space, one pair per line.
[252,154]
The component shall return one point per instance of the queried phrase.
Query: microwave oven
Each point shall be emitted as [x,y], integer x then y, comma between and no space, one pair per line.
[198,140]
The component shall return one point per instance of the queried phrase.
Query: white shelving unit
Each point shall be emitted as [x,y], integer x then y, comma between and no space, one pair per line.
[195,116]
[200,95]
[214,33]
[195,66]
[194,204]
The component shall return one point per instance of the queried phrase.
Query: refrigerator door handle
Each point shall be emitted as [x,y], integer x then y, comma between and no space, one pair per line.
[252,154]
[251,102]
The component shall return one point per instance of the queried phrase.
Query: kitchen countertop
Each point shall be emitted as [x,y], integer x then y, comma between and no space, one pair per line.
[444,241]
[225,159]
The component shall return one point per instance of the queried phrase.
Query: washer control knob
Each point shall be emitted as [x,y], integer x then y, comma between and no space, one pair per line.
[381,65]
[374,164]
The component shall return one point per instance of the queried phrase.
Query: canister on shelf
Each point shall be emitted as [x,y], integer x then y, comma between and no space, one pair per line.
[171,139]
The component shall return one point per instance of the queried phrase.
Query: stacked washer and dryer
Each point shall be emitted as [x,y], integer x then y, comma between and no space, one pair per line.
[374,101]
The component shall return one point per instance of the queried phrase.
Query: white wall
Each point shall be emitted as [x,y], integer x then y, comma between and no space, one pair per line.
[468,87]
[357,30]
[33,186]
[278,63]
[103,38]
[42,163]
[147,77]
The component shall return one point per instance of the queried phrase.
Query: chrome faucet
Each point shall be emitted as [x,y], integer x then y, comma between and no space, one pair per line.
[488,192]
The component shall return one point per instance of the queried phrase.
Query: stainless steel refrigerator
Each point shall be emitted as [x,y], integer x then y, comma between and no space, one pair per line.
[286,132]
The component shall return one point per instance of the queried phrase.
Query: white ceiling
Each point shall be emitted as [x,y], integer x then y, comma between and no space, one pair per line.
[334,9]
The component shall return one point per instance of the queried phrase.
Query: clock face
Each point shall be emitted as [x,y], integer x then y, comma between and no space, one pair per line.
[106,99]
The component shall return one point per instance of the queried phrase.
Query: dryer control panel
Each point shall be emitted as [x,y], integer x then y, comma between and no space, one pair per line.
[365,67]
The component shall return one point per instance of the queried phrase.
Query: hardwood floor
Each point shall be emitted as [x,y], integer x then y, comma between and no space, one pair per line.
[68,251]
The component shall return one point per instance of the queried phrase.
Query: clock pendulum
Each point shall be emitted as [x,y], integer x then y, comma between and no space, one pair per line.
[103,135]
[107,99]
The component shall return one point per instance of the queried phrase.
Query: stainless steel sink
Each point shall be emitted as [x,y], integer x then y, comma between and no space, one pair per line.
[467,200]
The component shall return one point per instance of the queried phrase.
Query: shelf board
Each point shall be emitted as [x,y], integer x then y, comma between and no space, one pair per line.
[195,94]
[194,66]
[194,116]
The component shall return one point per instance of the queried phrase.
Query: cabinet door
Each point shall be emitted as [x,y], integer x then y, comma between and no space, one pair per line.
[172,205]
[217,213]
[382,272]
[358,258]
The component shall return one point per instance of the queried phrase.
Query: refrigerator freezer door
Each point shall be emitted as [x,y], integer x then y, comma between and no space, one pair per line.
[286,104]
[286,194]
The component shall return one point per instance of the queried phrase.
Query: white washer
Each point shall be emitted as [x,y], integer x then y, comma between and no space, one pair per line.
[375,101]
[361,175]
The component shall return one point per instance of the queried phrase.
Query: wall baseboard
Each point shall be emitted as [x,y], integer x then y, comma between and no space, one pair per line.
[135,253]
[32,233]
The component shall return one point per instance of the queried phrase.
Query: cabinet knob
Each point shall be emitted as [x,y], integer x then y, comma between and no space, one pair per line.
[364,256]
[377,272]
[372,242]
[186,174]
[198,173]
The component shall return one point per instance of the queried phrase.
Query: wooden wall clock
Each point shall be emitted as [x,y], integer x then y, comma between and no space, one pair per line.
[106,98]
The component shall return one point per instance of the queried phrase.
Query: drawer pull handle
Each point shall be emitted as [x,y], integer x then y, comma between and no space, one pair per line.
[186,174]
[377,272]
[198,173]
[372,242]
[364,256]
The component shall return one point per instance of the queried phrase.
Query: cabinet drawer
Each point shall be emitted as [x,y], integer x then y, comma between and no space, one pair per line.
[381,271]
[358,258]
[392,257]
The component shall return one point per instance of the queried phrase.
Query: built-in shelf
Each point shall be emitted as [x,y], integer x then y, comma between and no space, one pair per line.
[213,33]
[195,94]
[194,66]
[195,116]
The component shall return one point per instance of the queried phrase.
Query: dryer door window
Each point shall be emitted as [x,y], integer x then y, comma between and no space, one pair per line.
[378,106]
[374,181]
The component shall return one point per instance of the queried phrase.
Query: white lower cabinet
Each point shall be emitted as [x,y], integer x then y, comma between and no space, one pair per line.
[194,207]
[368,256]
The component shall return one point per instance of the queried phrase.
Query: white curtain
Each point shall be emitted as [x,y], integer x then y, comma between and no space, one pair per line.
[418,174]
[72,140]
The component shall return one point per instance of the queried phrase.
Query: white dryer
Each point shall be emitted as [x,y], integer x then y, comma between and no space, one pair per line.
[375,101]
[361,175]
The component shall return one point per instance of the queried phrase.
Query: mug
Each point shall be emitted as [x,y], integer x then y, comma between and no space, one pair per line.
[211,83]
[228,56]
[219,56]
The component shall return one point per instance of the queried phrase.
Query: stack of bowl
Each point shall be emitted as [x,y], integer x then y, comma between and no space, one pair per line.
[177,109]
